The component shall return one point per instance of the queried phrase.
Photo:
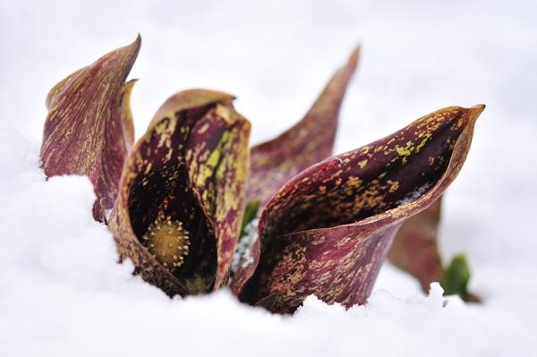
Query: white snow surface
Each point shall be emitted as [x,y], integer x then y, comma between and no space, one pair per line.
[62,292]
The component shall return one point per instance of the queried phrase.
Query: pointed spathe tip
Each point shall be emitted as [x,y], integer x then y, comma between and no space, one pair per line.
[476,111]
[479,108]
[135,46]
[354,57]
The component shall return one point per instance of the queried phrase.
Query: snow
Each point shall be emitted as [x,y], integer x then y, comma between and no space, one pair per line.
[243,251]
[412,196]
[62,292]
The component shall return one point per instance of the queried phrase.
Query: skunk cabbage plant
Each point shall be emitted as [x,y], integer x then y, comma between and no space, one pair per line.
[415,248]
[327,230]
[89,127]
[178,194]
[180,202]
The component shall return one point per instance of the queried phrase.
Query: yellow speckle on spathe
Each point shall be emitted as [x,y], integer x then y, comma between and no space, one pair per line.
[406,151]
[423,142]
[380,148]
[362,163]
[207,169]
[353,181]
[394,185]
[148,167]
[203,128]
[215,157]
[403,151]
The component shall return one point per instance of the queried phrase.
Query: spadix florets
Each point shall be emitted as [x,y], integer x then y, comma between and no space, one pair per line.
[168,242]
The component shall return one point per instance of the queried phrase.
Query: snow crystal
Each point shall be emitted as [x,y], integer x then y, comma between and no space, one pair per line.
[243,255]
[414,195]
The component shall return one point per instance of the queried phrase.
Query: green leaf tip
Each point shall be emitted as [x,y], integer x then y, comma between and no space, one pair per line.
[456,278]
[250,213]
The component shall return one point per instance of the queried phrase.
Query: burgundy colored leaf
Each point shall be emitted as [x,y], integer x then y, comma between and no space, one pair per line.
[415,248]
[309,141]
[89,127]
[180,202]
[327,231]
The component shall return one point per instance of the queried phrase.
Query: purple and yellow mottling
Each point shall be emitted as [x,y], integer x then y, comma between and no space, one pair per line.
[190,167]
[89,129]
[327,231]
